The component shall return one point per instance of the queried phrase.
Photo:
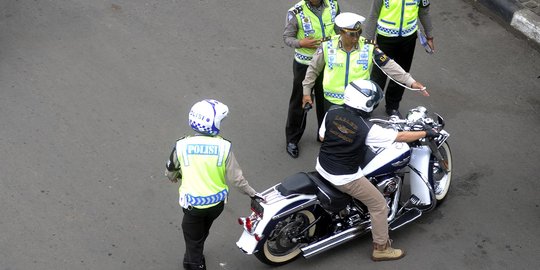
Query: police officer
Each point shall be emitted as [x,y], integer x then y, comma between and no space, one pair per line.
[347,57]
[347,135]
[308,22]
[396,23]
[203,162]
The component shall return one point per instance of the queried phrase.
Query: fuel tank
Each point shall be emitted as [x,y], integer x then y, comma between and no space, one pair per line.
[389,159]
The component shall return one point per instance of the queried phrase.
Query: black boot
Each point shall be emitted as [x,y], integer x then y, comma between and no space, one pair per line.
[195,266]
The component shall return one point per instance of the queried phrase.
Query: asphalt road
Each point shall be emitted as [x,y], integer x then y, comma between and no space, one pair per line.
[93,95]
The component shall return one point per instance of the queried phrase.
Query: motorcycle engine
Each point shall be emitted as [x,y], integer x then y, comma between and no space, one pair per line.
[389,185]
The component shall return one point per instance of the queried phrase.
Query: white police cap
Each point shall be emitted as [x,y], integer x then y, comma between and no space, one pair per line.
[349,20]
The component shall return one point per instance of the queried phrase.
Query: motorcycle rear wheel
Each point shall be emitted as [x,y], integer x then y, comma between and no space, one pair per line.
[278,248]
[441,179]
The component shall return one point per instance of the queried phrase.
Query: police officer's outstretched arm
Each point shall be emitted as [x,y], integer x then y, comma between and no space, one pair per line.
[396,72]
[235,175]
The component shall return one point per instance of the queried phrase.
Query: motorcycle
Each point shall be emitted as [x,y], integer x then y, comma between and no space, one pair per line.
[306,215]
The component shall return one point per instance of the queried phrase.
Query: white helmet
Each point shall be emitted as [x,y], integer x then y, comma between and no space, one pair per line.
[205,116]
[362,95]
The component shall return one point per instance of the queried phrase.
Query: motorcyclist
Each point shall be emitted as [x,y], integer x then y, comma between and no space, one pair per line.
[346,136]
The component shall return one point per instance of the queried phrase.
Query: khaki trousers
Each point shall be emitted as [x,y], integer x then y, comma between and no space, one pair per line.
[369,195]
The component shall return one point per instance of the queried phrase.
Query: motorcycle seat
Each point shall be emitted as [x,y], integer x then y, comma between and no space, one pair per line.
[330,197]
[313,183]
[297,183]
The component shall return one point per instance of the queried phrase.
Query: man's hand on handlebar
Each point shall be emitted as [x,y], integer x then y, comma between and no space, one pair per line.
[431,133]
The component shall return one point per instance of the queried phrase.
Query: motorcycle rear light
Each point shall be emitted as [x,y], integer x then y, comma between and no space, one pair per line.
[257,237]
[241,221]
[249,223]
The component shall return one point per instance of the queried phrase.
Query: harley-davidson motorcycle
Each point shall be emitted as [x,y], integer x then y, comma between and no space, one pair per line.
[306,215]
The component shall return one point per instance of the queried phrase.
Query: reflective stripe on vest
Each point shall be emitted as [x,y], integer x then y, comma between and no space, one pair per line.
[206,200]
[343,67]
[398,18]
[203,164]
[309,25]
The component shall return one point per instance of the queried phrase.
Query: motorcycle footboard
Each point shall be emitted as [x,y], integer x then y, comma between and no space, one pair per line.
[405,218]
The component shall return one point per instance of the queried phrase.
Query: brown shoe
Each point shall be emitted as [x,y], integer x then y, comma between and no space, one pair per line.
[386,252]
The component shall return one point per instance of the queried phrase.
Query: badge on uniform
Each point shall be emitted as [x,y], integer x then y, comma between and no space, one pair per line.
[307,25]
[331,60]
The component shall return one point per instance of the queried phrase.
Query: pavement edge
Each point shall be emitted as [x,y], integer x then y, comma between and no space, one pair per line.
[516,16]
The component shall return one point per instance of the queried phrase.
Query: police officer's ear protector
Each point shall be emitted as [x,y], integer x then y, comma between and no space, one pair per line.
[375,97]
[369,103]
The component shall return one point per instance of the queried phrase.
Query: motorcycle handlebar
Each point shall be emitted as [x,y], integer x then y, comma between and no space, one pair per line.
[404,124]
[392,121]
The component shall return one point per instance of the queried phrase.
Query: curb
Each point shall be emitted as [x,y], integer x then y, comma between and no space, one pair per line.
[527,23]
[517,16]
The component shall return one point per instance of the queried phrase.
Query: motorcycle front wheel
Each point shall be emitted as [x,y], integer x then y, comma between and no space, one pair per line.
[282,245]
[441,178]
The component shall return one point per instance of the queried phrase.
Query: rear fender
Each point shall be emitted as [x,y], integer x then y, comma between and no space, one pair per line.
[273,211]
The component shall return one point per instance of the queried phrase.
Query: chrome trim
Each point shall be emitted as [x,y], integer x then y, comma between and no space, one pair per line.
[271,195]
[395,203]
[407,222]
[400,163]
[335,240]
[296,208]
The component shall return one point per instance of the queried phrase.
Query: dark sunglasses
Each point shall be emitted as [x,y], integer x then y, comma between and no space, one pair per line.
[353,34]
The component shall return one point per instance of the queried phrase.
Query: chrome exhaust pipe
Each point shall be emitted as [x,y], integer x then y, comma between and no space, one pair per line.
[352,233]
[334,240]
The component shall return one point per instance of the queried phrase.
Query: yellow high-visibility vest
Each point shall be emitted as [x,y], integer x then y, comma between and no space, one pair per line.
[398,18]
[309,25]
[343,67]
[203,163]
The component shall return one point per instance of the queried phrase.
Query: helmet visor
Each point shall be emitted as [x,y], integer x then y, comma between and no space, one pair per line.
[375,95]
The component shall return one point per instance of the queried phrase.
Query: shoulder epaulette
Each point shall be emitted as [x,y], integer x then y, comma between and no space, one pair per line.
[297,10]
[371,41]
